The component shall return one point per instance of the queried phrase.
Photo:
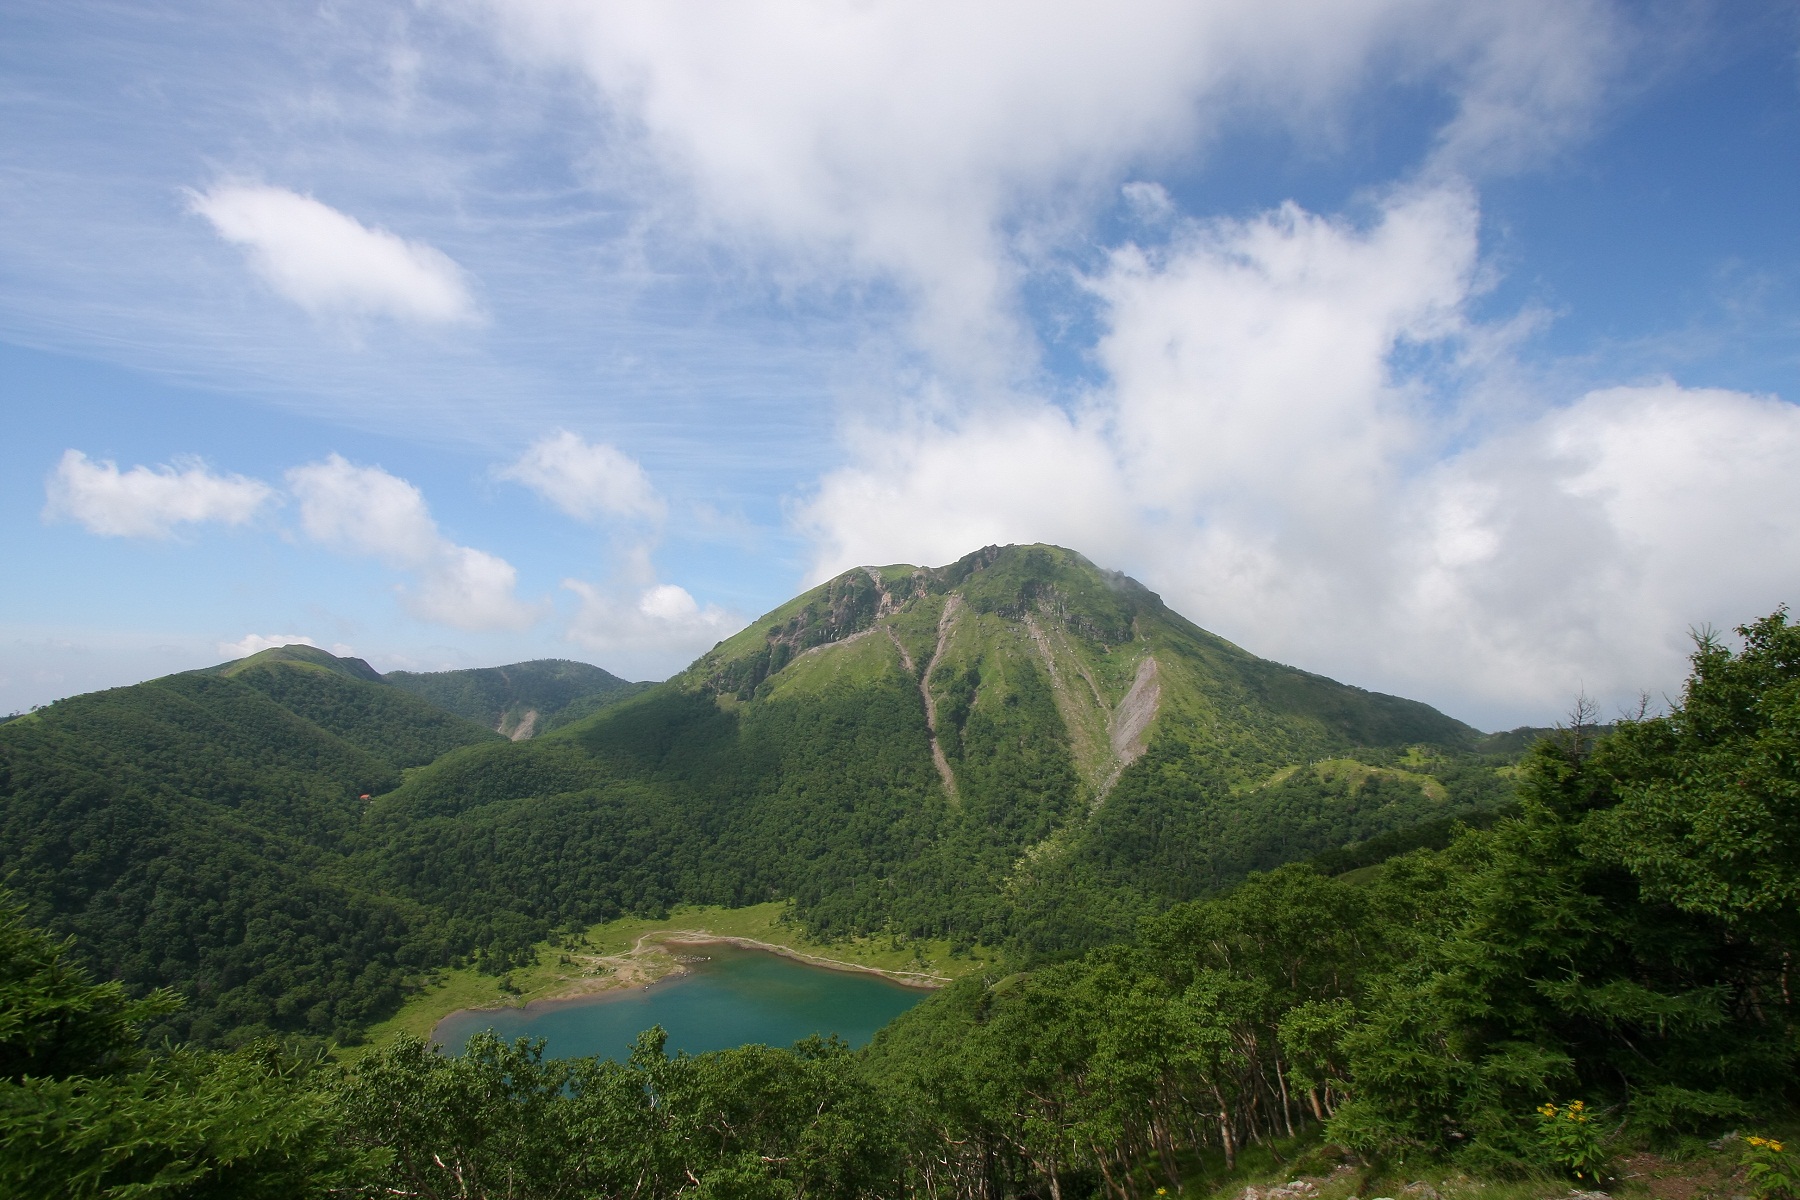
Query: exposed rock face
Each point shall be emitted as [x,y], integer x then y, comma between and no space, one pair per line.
[1131,720]
[519,728]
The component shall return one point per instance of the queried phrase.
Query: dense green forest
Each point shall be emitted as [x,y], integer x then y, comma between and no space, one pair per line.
[1619,945]
[1018,750]
[520,700]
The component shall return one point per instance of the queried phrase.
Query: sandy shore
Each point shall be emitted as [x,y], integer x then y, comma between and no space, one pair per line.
[699,937]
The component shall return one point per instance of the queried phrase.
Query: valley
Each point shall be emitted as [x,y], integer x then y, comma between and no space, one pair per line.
[717,995]
[1015,754]
[630,952]
[1190,918]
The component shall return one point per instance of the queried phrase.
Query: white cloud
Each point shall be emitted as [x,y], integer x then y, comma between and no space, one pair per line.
[936,145]
[365,510]
[471,589]
[1249,361]
[1148,202]
[648,632]
[1532,77]
[586,479]
[1257,456]
[330,263]
[930,493]
[1576,550]
[1248,374]
[146,502]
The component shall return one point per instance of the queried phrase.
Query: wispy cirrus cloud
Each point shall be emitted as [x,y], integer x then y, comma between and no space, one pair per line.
[329,263]
[953,154]
[149,502]
[367,511]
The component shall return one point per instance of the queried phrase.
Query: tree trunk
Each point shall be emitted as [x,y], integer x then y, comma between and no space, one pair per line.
[1225,1139]
[1287,1115]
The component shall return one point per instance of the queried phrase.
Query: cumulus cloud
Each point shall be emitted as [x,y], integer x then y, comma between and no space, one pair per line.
[646,632]
[1249,360]
[918,142]
[329,263]
[145,501]
[1258,454]
[1248,368]
[367,511]
[586,479]
[1575,550]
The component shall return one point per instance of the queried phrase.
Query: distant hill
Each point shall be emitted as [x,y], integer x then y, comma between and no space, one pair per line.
[1017,749]
[186,831]
[523,699]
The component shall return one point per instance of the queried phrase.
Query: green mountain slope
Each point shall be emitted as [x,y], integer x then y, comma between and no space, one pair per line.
[188,832]
[1017,749]
[1593,977]
[520,700]
[346,698]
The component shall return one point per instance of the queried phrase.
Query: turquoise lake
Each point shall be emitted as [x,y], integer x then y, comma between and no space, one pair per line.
[730,998]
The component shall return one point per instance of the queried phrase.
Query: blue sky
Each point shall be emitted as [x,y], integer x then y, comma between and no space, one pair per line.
[1446,348]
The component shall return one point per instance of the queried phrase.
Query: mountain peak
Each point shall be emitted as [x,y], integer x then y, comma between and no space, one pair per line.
[1118,670]
[303,655]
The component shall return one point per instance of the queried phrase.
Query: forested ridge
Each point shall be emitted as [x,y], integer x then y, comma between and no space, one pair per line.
[520,700]
[1606,968]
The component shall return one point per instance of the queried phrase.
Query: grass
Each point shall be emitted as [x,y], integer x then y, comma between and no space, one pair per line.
[559,963]
[868,659]
[1356,773]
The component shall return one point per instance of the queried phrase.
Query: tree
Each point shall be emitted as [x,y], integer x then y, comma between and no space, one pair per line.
[85,1112]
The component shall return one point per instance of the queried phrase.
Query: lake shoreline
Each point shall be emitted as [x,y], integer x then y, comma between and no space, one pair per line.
[633,970]
[927,981]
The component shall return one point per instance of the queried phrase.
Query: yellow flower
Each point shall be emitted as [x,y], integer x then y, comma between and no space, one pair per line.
[1775,1145]
[1162,1191]
[1756,1141]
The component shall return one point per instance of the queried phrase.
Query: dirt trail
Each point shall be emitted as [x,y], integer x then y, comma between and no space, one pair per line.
[899,645]
[1043,648]
[946,622]
[700,937]
[650,959]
